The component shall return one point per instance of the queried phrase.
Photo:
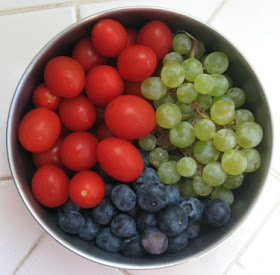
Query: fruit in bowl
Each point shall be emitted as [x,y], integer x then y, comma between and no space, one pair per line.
[159,171]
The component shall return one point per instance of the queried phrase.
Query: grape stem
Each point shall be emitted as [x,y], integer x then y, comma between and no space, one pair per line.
[195,106]
[194,44]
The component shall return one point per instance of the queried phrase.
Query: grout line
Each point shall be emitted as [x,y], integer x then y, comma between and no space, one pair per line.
[252,237]
[77,8]
[42,236]
[36,8]
[216,11]
[6,178]
[275,173]
[94,1]
[125,272]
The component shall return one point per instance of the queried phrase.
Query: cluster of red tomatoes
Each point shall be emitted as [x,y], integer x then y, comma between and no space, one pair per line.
[90,109]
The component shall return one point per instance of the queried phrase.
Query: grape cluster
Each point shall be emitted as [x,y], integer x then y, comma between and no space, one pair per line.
[204,141]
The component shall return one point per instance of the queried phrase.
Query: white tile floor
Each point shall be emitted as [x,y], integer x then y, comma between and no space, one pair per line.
[26,25]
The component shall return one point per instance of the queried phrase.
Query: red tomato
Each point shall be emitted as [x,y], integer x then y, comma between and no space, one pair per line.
[109,37]
[64,76]
[156,35]
[103,132]
[103,83]
[136,63]
[130,117]
[50,186]
[86,189]
[133,88]
[43,97]
[119,159]
[39,129]
[131,37]
[77,113]
[86,54]
[78,151]
[49,157]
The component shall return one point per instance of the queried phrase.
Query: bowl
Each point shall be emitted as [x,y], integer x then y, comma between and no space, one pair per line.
[243,76]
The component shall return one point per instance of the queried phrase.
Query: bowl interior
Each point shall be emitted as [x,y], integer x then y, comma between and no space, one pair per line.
[243,76]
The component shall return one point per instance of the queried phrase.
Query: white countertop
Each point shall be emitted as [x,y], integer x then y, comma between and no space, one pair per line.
[27,25]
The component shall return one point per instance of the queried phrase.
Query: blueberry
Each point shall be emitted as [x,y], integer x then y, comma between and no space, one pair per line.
[71,222]
[154,241]
[152,196]
[178,242]
[67,207]
[132,247]
[145,156]
[104,212]
[134,211]
[172,220]
[108,188]
[193,207]
[89,231]
[123,197]
[148,175]
[173,194]
[145,220]
[217,213]
[193,230]
[107,241]
[123,226]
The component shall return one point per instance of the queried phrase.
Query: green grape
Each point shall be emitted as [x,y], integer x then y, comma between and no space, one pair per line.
[249,134]
[168,98]
[223,193]
[200,187]
[213,174]
[204,83]
[205,151]
[187,190]
[224,140]
[199,50]
[172,75]
[234,162]
[221,85]
[237,95]
[158,156]
[181,43]
[192,68]
[164,142]
[204,129]
[233,181]
[241,116]
[230,82]
[222,97]
[182,135]
[168,115]
[167,172]
[222,112]
[186,167]
[253,159]
[186,93]
[147,142]
[173,57]
[204,102]
[216,63]
[186,110]
[153,88]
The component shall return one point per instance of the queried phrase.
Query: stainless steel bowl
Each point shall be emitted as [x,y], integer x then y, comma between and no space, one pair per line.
[243,76]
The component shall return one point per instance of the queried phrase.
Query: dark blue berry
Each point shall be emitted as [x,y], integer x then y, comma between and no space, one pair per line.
[145,156]
[178,242]
[154,241]
[193,230]
[123,197]
[108,188]
[173,194]
[217,213]
[104,212]
[67,207]
[107,241]
[134,211]
[123,226]
[132,247]
[89,231]
[71,222]
[172,220]
[149,174]
[193,207]
[145,220]
[152,196]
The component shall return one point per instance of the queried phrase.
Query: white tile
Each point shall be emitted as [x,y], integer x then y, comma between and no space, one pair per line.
[21,38]
[253,26]
[49,257]
[262,255]
[200,9]
[18,231]
[19,4]
[236,269]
